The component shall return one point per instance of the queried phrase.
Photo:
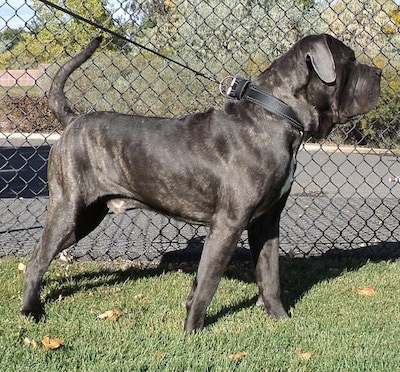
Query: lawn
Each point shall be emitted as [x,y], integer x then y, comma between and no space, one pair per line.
[120,317]
[16,90]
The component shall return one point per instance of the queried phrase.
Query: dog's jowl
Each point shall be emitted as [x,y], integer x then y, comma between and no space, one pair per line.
[230,169]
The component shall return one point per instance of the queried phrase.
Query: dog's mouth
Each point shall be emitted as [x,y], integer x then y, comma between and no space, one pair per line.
[362,96]
[340,118]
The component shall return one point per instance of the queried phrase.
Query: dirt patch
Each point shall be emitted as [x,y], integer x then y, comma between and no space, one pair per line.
[26,113]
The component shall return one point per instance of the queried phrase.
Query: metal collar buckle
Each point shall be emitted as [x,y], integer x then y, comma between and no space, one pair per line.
[233,87]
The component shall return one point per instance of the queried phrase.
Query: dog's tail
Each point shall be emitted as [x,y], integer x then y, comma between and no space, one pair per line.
[58,103]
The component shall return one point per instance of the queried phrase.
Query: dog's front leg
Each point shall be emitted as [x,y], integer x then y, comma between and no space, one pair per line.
[218,249]
[263,237]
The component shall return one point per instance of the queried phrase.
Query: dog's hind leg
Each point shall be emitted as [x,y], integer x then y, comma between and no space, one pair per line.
[263,237]
[65,225]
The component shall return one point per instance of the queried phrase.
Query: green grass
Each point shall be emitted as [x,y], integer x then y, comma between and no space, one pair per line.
[19,90]
[341,330]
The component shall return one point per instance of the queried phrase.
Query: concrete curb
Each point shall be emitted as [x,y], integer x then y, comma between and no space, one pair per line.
[346,149]
[30,136]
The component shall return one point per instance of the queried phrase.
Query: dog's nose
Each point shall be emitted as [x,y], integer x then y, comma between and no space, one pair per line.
[378,71]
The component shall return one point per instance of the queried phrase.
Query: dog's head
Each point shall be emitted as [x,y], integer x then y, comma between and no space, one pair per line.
[323,82]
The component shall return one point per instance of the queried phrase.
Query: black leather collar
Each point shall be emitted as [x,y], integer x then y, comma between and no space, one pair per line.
[241,88]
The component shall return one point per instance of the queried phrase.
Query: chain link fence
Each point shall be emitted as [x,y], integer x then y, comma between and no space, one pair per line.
[342,199]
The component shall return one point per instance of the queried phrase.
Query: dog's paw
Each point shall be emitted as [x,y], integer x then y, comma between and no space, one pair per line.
[278,312]
[274,308]
[36,314]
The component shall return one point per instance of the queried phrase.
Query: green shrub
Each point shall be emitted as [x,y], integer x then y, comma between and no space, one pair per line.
[147,85]
[379,128]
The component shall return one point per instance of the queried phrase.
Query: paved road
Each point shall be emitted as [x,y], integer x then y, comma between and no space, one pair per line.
[340,200]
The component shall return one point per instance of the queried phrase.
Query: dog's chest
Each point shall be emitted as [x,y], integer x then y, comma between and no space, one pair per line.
[289,177]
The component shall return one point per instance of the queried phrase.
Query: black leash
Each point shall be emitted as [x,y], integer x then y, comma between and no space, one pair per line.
[94,24]
[239,88]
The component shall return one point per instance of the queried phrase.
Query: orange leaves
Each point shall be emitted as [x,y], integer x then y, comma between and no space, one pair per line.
[237,356]
[365,291]
[110,315]
[47,343]
[303,355]
[31,343]
[139,297]
[52,343]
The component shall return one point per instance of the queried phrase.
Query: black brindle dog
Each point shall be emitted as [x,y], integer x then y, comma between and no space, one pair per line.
[230,169]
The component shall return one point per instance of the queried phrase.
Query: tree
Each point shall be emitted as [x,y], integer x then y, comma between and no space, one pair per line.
[369,26]
[55,35]
[9,37]
[211,34]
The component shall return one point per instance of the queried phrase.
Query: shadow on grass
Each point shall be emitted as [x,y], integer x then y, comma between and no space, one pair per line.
[101,276]
[297,275]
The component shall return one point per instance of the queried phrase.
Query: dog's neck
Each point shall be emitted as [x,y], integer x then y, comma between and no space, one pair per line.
[242,89]
[288,88]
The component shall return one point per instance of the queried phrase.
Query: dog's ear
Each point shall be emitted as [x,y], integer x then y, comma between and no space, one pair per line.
[321,59]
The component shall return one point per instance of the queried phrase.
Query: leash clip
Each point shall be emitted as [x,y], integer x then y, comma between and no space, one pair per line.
[235,89]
